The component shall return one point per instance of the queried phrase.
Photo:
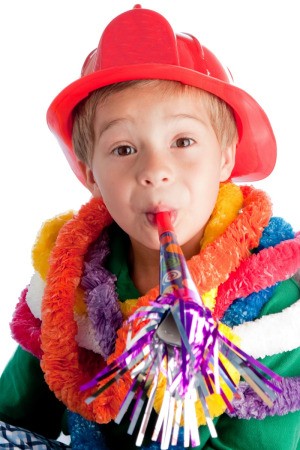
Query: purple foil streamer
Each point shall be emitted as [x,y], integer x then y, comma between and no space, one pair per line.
[187,363]
[188,368]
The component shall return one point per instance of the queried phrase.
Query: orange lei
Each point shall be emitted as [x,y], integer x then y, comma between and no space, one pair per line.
[66,365]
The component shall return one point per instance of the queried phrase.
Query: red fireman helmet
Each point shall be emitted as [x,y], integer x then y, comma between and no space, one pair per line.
[140,44]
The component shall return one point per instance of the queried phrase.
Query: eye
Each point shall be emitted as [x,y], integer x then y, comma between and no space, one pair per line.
[183,142]
[124,150]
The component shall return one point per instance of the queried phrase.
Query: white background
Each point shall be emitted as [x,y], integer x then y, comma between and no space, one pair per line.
[43,45]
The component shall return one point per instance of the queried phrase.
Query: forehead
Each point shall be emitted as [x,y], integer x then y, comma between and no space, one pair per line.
[160,99]
[87,109]
[148,92]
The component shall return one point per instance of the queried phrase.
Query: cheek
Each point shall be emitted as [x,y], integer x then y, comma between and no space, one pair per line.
[112,192]
[205,188]
[102,180]
[204,175]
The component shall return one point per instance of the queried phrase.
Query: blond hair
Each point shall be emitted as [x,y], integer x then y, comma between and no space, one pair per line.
[83,136]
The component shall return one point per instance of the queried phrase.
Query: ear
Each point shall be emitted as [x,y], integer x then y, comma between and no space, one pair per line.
[90,181]
[227,161]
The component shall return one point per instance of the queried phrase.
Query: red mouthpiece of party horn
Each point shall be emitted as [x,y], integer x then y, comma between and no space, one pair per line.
[163,221]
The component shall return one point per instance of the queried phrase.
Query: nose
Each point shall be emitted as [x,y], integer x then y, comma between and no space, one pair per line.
[155,169]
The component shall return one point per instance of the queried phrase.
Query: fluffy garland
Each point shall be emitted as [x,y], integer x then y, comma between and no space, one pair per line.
[280,263]
[248,308]
[102,302]
[208,269]
[60,349]
[83,230]
[248,405]
[283,327]
[26,328]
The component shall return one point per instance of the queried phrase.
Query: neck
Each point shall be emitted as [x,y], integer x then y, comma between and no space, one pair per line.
[144,267]
[192,247]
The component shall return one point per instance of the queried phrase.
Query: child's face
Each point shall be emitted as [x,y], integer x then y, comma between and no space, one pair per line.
[155,152]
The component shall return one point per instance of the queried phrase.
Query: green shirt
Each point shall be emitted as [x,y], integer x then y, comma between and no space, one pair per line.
[26,401]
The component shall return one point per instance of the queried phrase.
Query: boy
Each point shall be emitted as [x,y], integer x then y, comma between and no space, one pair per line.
[154,125]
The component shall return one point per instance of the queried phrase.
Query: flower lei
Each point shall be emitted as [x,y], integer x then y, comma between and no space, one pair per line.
[101,298]
[59,328]
[249,406]
[209,269]
[253,278]
[283,338]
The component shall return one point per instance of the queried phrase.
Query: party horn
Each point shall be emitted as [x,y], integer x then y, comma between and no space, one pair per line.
[175,345]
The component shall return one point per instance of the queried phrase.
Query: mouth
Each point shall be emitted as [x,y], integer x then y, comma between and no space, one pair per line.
[151,215]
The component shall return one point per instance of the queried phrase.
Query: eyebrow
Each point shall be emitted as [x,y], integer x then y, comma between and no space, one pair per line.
[114,122]
[110,124]
[188,116]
